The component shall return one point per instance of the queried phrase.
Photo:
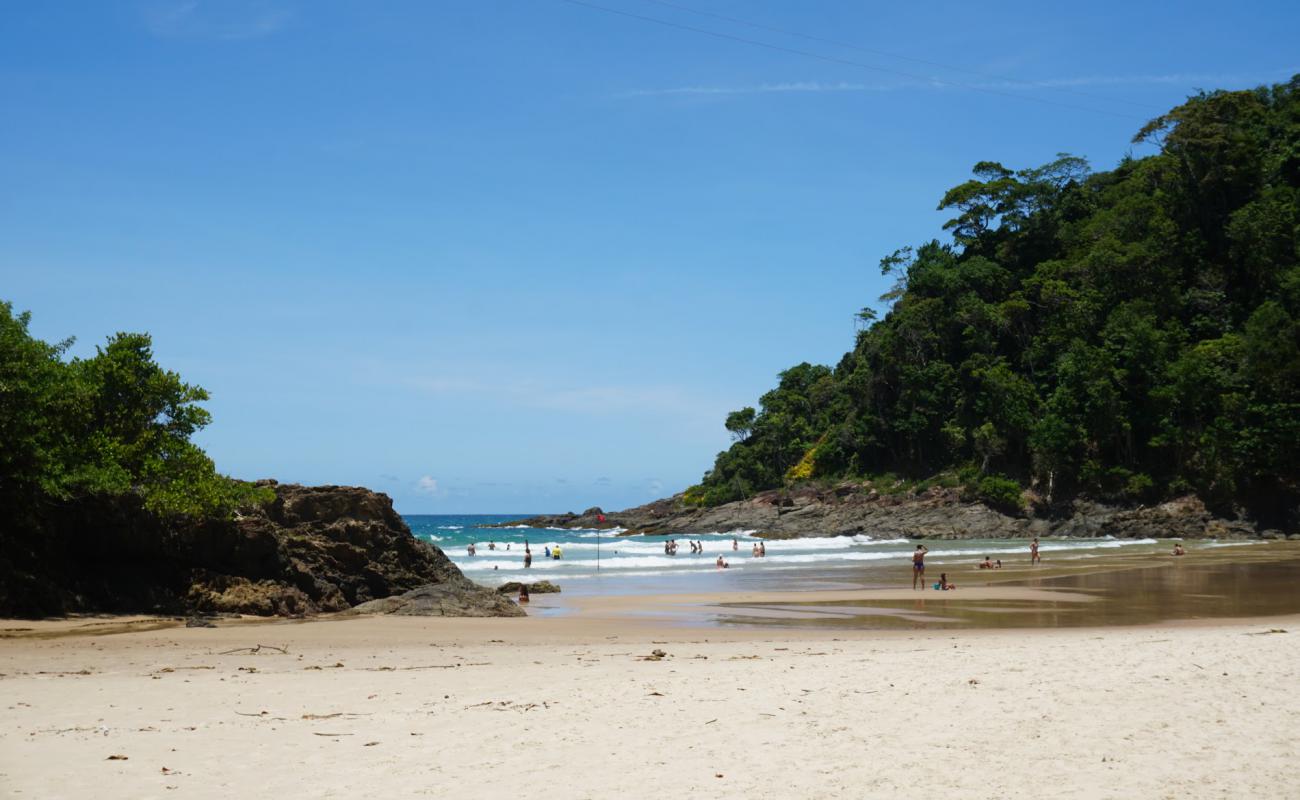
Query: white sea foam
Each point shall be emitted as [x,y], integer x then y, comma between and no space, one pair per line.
[1104,543]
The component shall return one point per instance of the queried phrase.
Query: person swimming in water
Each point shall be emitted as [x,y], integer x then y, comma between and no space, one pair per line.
[721,563]
[918,565]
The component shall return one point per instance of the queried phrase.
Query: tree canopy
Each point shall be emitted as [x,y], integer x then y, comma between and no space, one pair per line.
[114,424]
[1130,334]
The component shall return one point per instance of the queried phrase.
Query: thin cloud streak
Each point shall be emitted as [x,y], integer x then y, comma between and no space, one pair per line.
[578,399]
[193,19]
[766,88]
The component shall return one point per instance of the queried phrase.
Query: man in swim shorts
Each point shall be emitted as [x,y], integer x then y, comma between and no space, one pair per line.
[918,566]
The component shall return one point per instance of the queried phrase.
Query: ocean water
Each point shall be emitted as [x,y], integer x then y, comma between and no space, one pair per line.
[603,562]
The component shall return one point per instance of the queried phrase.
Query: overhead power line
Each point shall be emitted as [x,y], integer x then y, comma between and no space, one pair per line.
[845,61]
[850,46]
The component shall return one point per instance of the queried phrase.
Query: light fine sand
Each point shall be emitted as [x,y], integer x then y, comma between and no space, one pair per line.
[553,708]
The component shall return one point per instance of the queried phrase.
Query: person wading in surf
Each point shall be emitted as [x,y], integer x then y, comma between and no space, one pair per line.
[918,566]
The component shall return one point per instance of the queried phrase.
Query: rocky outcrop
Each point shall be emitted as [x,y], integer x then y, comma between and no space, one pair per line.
[937,513]
[537,587]
[443,600]
[313,549]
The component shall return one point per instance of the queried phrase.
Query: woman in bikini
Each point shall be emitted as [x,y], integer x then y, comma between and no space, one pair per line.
[918,566]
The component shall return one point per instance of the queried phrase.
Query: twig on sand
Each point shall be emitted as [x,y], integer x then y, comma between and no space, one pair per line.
[318,733]
[255,650]
[422,666]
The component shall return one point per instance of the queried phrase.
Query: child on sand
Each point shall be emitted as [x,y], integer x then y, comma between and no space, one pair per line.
[1178,549]
[943,582]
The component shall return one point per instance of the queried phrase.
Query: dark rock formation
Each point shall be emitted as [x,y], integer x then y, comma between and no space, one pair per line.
[539,587]
[312,550]
[851,508]
[443,600]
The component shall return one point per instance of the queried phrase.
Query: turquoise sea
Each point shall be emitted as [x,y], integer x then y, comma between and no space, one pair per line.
[600,562]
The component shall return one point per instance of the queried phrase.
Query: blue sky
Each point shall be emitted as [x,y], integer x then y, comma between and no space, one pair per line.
[524,255]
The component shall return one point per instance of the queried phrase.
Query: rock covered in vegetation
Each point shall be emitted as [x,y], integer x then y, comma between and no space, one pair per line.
[310,550]
[850,508]
[1131,335]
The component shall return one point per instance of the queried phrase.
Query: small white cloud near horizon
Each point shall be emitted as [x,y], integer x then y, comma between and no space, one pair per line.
[222,21]
[427,484]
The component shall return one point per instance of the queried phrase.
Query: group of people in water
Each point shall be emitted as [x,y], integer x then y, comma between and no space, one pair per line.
[918,564]
[554,553]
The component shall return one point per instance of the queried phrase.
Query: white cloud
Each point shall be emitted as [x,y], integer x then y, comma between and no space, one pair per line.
[427,484]
[221,21]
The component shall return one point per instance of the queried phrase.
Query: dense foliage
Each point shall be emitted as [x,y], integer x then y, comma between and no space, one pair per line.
[1129,334]
[112,425]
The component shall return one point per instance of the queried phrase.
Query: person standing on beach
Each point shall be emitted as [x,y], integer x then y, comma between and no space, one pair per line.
[735,545]
[1033,552]
[528,556]
[918,566]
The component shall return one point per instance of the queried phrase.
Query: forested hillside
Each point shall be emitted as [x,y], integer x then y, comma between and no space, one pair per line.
[1128,335]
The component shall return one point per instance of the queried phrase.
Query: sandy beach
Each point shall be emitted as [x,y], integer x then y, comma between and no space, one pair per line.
[577,705]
